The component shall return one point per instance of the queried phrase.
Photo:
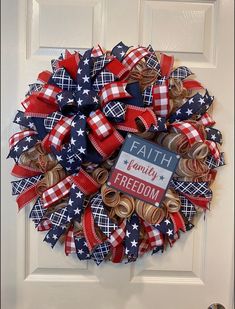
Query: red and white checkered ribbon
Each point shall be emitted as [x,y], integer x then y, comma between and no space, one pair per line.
[56,192]
[118,235]
[113,91]
[99,125]
[48,93]
[206,120]
[161,99]
[44,225]
[213,149]
[134,56]
[69,246]
[57,135]
[97,51]
[155,237]
[189,130]
[14,139]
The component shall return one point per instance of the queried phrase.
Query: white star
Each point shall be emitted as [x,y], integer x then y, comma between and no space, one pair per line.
[189,111]
[25,148]
[122,54]
[134,243]
[70,101]
[73,186]
[70,202]
[86,61]
[69,219]
[213,137]
[178,112]
[135,226]
[73,141]
[59,158]
[207,129]
[78,194]
[119,46]
[190,101]
[73,124]
[85,244]
[28,139]
[77,211]
[82,150]
[68,168]
[86,91]
[86,79]
[47,237]
[71,160]
[55,236]
[31,125]
[167,221]
[82,117]
[87,255]
[79,101]
[201,101]
[60,97]
[127,234]
[80,132]
[79,87]
[80,251]
[126,251]
[18,119]
[95,100]
[79,71]
[16,148]
[169,232]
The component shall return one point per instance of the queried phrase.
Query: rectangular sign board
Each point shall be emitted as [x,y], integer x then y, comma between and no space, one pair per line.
[143,170]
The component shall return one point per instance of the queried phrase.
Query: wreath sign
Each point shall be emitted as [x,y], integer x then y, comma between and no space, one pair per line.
[116,153]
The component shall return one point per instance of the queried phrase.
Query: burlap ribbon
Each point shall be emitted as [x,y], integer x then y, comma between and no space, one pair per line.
[110,196]
[149,213]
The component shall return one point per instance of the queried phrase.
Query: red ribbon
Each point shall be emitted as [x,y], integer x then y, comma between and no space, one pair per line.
[27,196]
[24,171]
[85,182]
[44,76]
[70,64]
[117,253]
[36,107]
[178,222]
[166,65]
[89,229]
[117,68]
[192,84]
[199,201]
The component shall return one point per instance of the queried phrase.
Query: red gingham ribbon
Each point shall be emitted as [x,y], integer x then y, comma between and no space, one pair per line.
[117,68]
[206,120]
[108,145]
[14,139]
[113,91]
[144,246]
[189,130]
[27,196]
[56,192]
[99,124]
[85,182]
[69,246]
[58,134]
[44,225]
[35,107]
[89,229]
[161,99]
[24,171]
[166,65]
[97,51]
[118,235]
[134,56]
[48,93]
[213,149]
[155,237]
[178,222]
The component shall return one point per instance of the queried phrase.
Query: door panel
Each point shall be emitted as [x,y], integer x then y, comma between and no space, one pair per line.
[197,271]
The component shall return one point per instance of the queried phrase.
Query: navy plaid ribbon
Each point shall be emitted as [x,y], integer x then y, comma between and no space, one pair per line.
[181,73]
[19,186]
[192,188]
[62,79]
[100,252]
[115,111]
[37,212]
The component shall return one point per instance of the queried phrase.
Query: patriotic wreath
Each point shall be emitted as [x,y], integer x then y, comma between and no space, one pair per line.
[74,122]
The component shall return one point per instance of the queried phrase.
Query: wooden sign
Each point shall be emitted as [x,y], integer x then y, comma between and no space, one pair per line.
[143,170]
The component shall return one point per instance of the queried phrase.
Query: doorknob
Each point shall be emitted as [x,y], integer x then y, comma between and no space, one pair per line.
[216,306]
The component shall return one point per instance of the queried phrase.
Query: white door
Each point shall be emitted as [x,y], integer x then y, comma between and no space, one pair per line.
[197,271]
